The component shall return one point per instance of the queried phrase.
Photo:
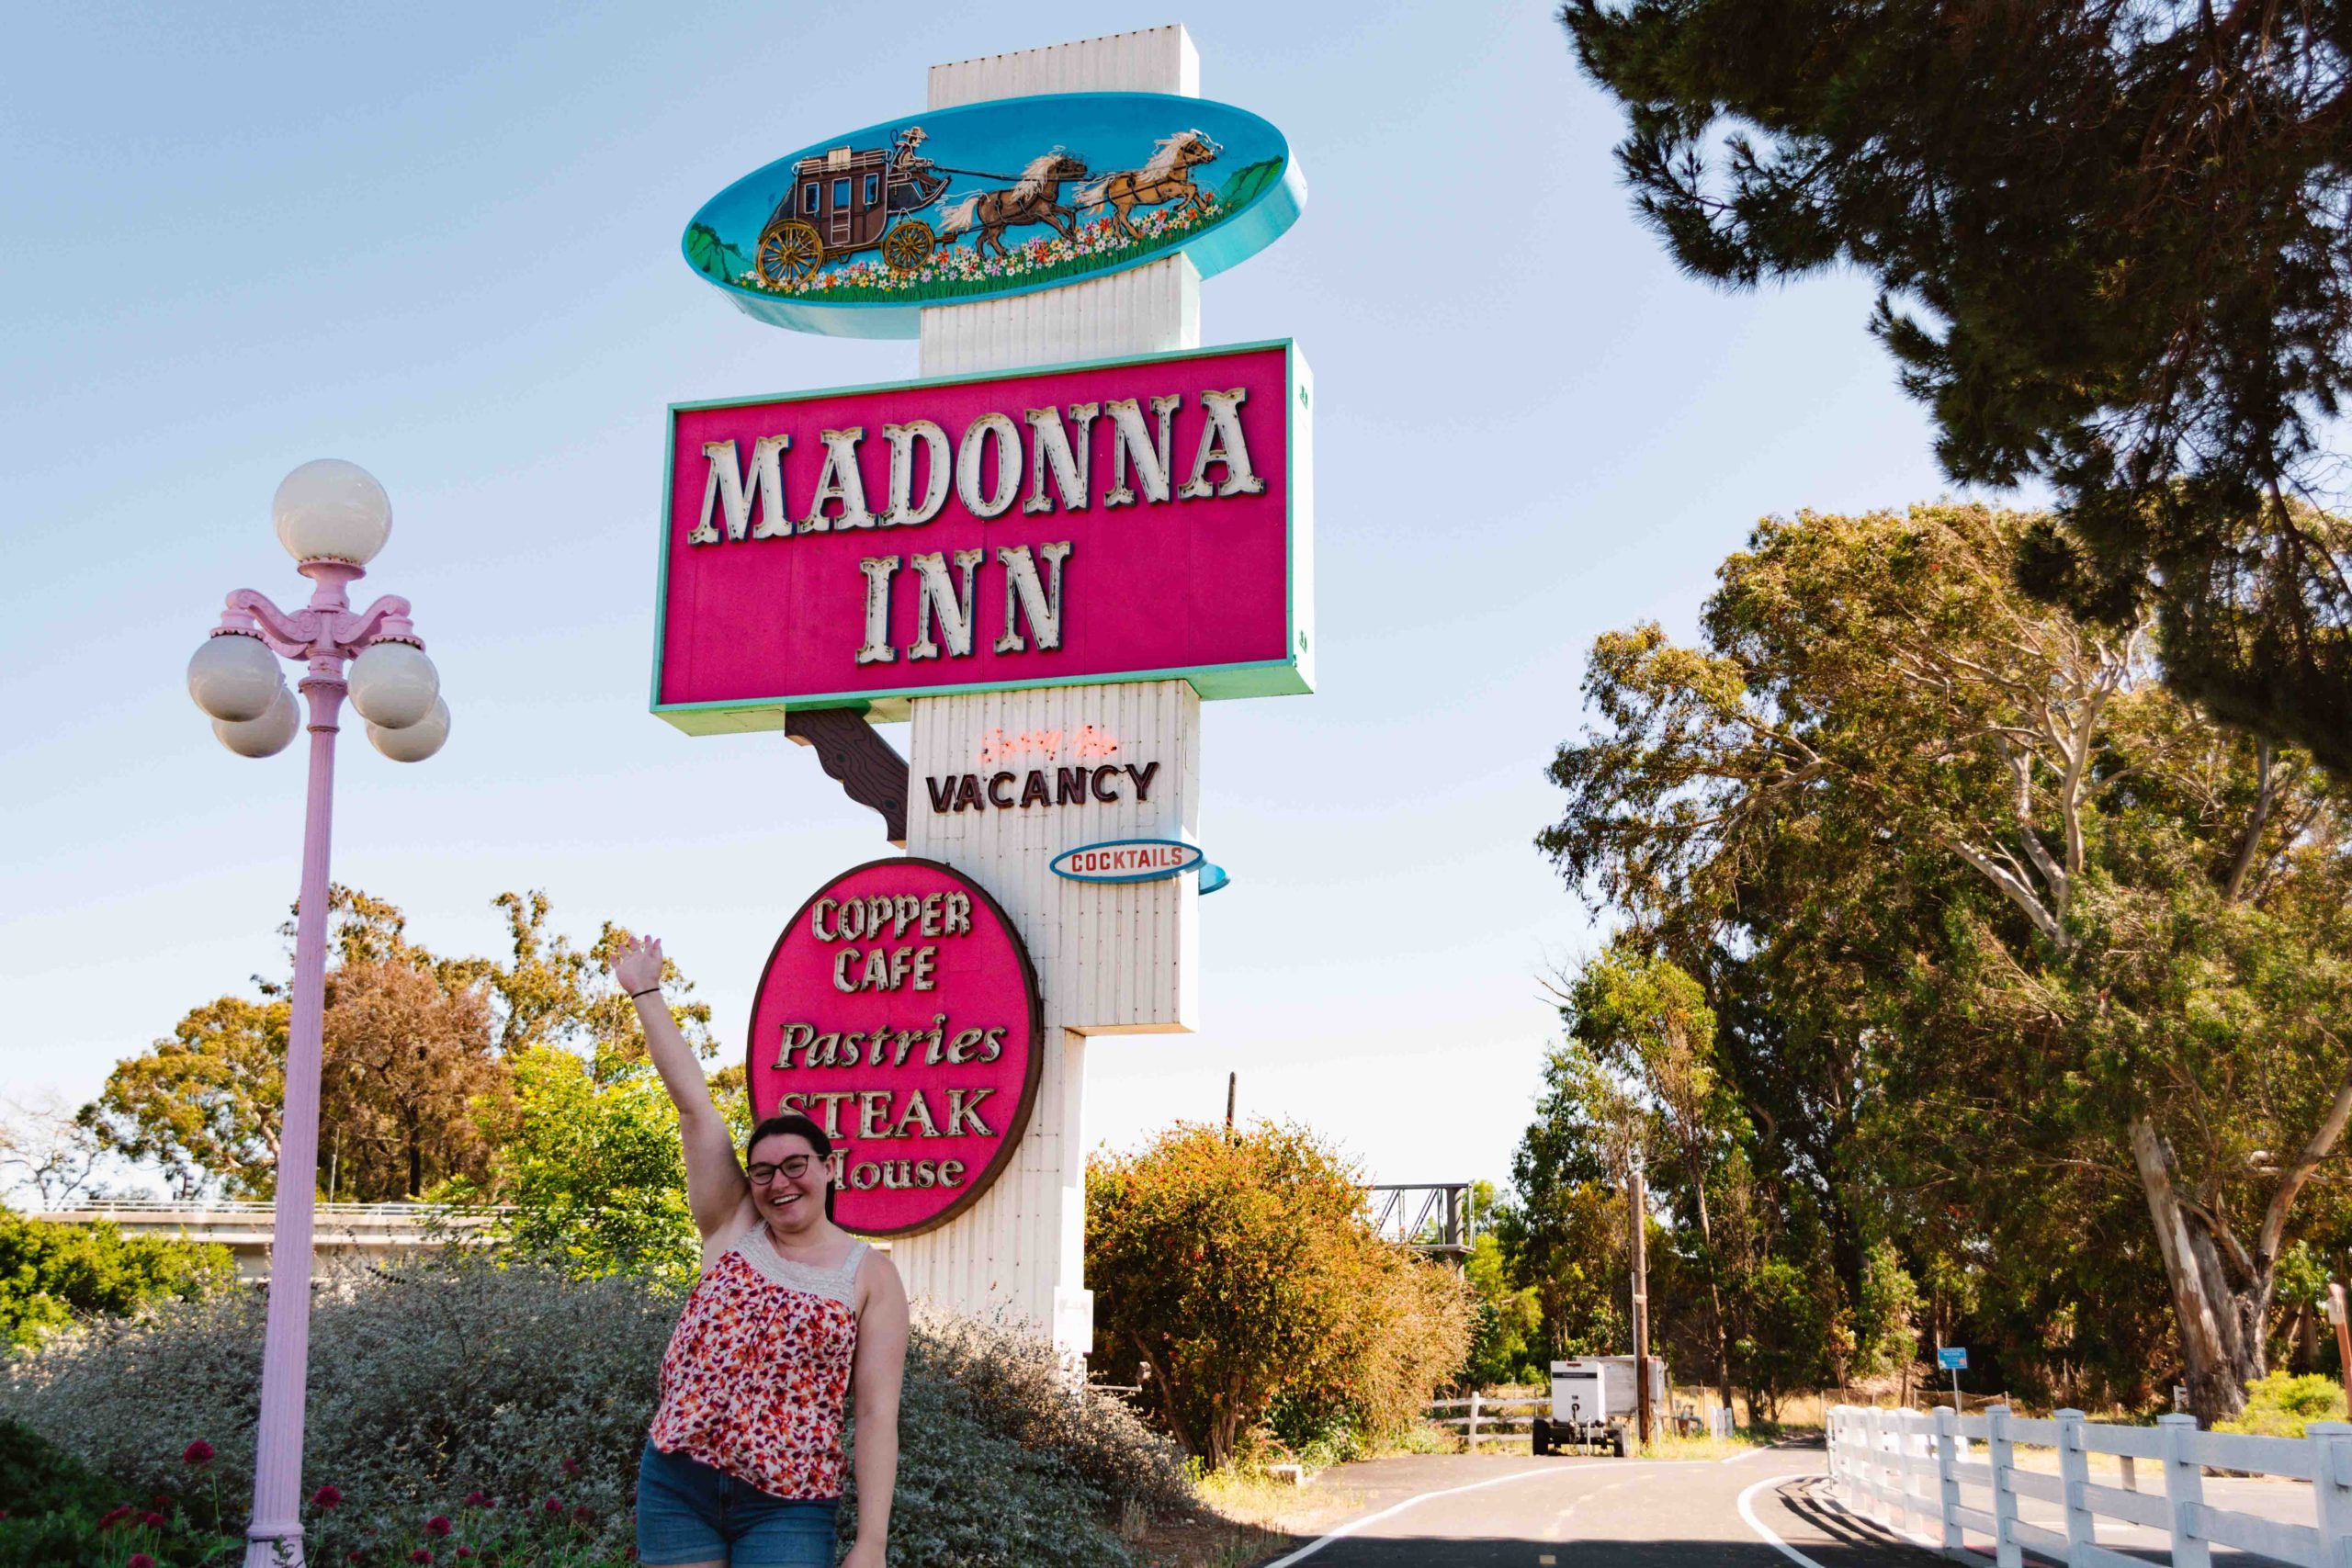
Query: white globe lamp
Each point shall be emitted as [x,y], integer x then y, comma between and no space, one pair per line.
[418,741]
[393,684]
[330,510]
[234,677]
[266,736]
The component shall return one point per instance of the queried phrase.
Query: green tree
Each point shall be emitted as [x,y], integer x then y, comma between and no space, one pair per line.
[1566,1230]
[2110,245]
[1239,1265]
[51,1274]
[1647,1021]
[590,1175]
[204,1106]
[417,1056]
[2142,945]
[1504,1341]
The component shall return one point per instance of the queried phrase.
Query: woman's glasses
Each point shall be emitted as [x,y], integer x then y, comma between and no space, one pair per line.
[793,1167]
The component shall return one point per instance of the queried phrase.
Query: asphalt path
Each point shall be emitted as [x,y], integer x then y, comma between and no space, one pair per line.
[1767,1508]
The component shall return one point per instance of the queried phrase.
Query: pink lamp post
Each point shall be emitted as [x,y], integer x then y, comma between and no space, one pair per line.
[332,517]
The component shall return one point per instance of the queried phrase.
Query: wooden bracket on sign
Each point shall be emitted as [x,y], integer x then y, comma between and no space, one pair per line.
[870,770]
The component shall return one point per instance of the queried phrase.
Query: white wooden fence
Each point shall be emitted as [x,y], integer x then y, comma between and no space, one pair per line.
[1909,1471]
[1490,1418]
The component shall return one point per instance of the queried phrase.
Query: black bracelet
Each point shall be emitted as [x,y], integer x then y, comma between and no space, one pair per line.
[648,991]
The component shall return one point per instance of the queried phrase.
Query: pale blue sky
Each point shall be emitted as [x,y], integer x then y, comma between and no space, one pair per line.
[442,240]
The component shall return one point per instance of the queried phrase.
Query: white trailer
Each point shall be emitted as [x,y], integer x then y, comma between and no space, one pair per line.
[1594,1403]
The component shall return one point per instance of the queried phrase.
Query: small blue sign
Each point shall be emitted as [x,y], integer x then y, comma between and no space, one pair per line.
[1952,1358]
[1129,859]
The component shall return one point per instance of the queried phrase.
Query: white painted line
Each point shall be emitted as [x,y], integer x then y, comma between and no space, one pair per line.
[1312,1547]
[1749,1453]
[1747,1512]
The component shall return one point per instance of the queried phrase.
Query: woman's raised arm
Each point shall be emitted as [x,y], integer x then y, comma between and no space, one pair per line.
[715,1185]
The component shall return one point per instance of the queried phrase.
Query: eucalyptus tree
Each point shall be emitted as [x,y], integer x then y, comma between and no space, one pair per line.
[2153,933]
[2111,240]
[1646,1020]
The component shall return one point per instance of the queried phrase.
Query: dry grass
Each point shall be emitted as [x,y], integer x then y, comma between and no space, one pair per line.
[1245,1518]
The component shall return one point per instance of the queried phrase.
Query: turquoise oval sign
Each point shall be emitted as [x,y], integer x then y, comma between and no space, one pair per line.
[853,237]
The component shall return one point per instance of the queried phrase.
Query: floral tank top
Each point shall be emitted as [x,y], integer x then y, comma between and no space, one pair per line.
[755,1383]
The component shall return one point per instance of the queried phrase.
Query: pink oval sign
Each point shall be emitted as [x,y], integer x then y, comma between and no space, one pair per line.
[899,1011]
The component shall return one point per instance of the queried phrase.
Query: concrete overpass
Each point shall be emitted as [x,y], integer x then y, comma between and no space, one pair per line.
[367,1233]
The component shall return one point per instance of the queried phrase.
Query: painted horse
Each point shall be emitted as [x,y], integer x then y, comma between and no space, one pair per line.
[1035,198]
[1166,176]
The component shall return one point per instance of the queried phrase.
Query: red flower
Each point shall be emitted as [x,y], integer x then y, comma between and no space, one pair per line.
[553,1505]
[465,1552]
[479,1500]
[140,1559]
[437,1525]
[198,1453]
[327,1497]
[153,1520]
[572,1466]
[584,1514]
[116,1516]
[420,1555]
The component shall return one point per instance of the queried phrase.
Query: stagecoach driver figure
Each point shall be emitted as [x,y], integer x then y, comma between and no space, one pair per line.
[905,161]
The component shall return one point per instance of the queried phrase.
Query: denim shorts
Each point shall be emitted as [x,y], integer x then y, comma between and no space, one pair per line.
[687,1512]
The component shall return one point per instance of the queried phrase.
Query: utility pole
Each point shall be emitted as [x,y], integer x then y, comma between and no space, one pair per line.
[2335,1315]
[1231,1081]
[1636,1201]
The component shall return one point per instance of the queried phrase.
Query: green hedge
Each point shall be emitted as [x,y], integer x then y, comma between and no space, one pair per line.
[52,1274]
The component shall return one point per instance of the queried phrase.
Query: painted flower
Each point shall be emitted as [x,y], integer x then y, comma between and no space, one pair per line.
[327,1497]
[199,1453]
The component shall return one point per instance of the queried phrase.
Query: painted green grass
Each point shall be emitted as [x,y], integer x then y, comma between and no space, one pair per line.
[1164,232]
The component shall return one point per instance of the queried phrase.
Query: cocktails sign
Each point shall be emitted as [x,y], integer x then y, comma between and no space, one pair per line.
[900,1012]
[854,236]
[1129,859]
[1137,520]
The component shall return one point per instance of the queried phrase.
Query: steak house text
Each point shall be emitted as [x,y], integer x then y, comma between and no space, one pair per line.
[873,953]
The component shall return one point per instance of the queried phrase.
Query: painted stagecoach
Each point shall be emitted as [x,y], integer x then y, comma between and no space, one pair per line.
[854,236]
[845,200]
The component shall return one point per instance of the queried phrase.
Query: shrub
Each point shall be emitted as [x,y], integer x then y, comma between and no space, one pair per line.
[1240,1268]
[50,1273]
[440,1380]
[1020,1390]
[2280,1405]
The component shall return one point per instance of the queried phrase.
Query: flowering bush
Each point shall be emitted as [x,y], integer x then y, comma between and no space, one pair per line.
[471,1412]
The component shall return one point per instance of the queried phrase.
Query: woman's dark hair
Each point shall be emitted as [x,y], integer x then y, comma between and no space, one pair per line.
[800,1127]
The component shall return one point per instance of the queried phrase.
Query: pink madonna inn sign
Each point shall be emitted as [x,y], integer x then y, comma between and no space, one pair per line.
[1140,519]
[900,1012]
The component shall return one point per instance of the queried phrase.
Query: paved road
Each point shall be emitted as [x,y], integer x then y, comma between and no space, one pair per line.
[1768,1508]
[1519,1512]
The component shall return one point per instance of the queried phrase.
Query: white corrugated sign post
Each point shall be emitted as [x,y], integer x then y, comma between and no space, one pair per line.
[1109,959]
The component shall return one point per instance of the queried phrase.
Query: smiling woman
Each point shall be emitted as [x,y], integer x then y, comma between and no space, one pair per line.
[793,1323]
